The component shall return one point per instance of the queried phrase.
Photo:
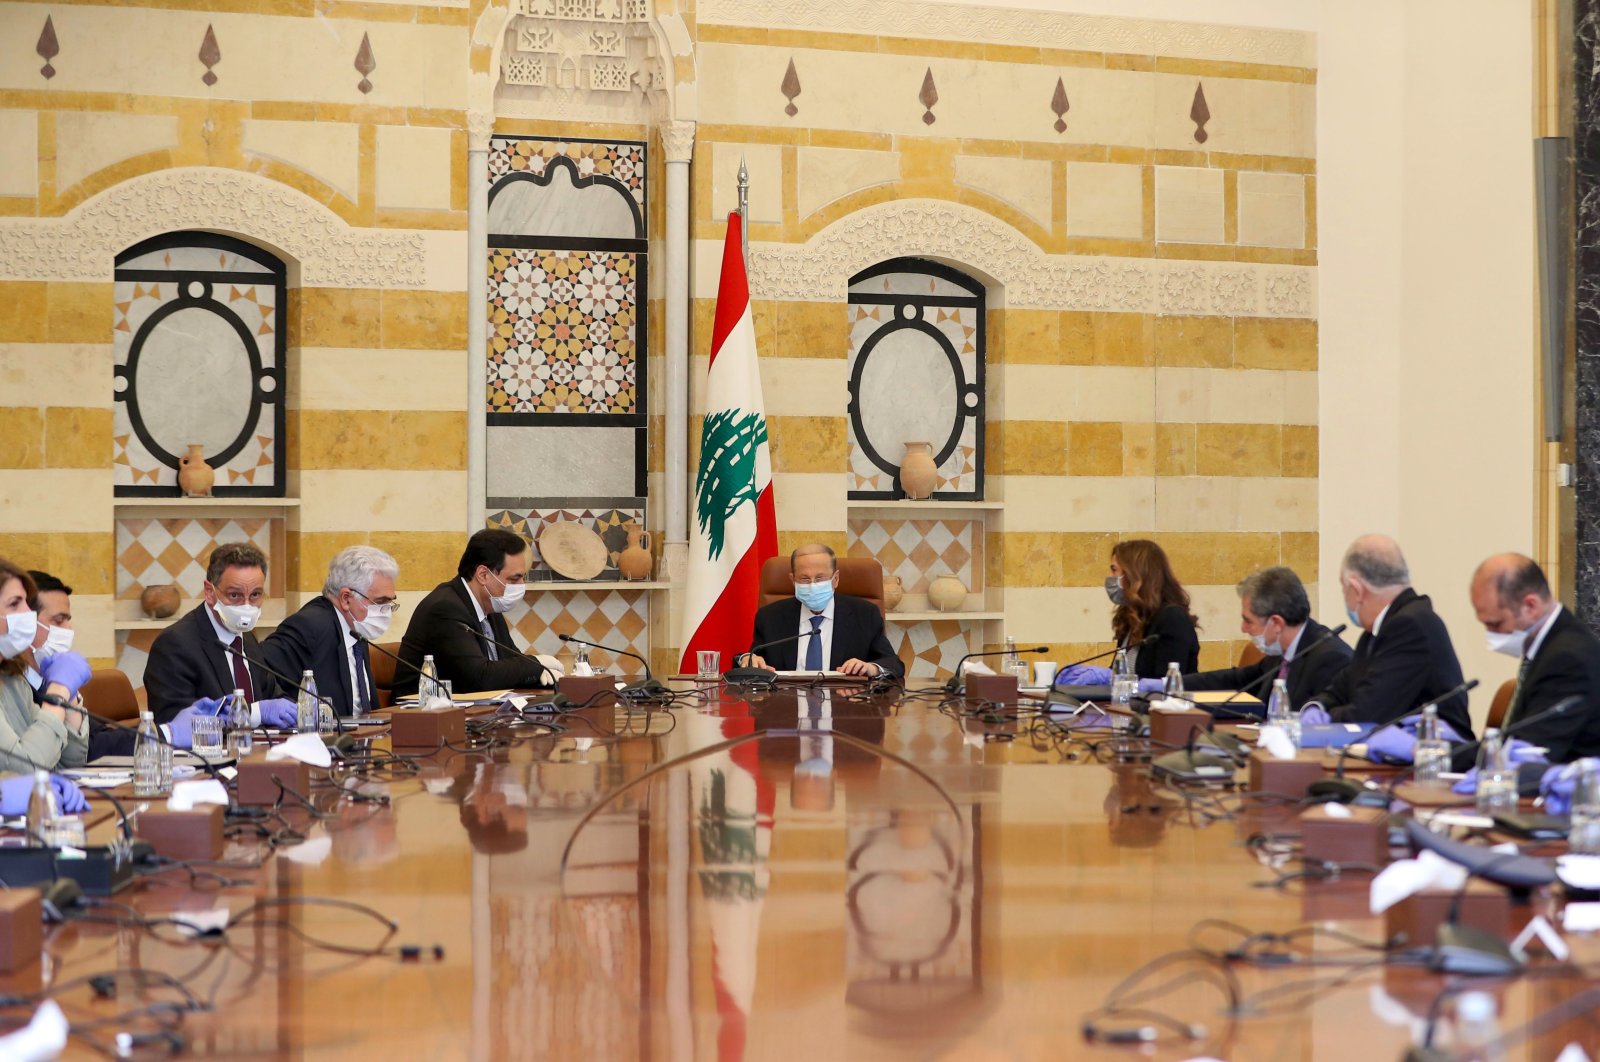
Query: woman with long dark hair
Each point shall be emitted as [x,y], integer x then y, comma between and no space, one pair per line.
[1149,603]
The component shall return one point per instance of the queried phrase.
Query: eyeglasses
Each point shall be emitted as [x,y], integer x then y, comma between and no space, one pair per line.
[800,580]
[380,602]
[239,597]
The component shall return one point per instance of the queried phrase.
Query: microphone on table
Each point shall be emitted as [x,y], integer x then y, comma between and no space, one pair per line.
[955,682]
[759,676]
[647,687]
[338,724]
[513,650]
[1262,681]
[1342,790]
[1149,639]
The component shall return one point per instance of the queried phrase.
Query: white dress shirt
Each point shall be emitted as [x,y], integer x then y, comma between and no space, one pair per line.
[350,663]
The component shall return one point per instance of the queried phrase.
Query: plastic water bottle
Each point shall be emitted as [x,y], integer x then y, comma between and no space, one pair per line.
[580,660]
[1477,1027]
[1122,681]
[1497,779]
[305,708]
[427,682]
[1279,713]
[146,758]
[1013,662]
[1584,835]
[42,812]
[1432,752]
[1172,685]
[241,735]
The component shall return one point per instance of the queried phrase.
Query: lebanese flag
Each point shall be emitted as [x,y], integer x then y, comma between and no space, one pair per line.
[735,527]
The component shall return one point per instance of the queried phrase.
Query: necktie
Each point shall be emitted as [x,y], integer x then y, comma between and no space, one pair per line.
[241,673]
[1283,669]
[1516,693]
[363,689]
[814,645]
[488,639]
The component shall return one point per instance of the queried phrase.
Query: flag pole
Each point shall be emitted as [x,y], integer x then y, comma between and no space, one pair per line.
[744,213]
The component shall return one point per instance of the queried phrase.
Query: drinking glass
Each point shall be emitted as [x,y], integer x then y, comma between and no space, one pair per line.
[206,736]
[710,663]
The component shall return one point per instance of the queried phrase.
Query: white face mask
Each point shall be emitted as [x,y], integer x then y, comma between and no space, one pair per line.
[1510,643]
[511,595]
[1265,647]
[57,640]
[240,619]
[21,629]
[377,622]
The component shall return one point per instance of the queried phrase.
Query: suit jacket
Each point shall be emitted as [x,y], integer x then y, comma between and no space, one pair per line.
[1312,669]
[857,633]
[1567,663]
[460,655]
[314,638]
[111,740]
[187,662]
[1409,662]
[1178,642]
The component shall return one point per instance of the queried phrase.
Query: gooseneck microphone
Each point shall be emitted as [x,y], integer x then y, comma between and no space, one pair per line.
[513,650]
[1561,707]
[338,724]
[757,676]
[955,681]
[1341,789]
[647,687]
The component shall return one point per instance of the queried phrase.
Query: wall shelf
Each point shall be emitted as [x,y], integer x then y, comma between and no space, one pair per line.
[597,584]
[206,504]
[930,505]
[920,616]
[273,611]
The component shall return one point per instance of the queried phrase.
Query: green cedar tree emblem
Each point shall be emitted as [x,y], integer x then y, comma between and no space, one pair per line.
[726,479]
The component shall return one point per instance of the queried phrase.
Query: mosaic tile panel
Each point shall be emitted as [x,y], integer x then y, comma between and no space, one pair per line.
[932,648]
[919,551]
[922,399]
[152,552]
[624,162]
[196,347]
[133,651]
[563,331]
[613,617]
[607,523]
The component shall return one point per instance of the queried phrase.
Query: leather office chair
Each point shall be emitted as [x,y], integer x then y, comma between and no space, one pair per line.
[383,669]
[109,693]
[1249,654]
[1501,702]
[858,577]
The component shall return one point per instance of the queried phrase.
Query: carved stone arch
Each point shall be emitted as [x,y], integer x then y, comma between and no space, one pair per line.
[329,252]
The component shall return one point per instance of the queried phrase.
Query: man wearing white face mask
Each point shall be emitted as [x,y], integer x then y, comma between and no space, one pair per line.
[1558,656]
[329,635]
[1275,613]
[462,623]
[212,651]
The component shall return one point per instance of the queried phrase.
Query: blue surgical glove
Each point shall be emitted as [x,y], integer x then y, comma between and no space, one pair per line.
[181,729]
[1555,788]
[1519,752]
[1084,675]
[1468,784]
[1148,686]
[15,791]
[68,669]
[1395,744]
[1314,714]
[69,798]
[278,712]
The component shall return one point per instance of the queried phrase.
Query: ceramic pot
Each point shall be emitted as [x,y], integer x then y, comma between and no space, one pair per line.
[946,593]
[195,477]
[894,592]
[161,601]
[918,473]
[634,562]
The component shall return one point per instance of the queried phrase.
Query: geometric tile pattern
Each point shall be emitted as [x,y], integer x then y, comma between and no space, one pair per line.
[611,617]
[919,551]
[933,647]
[624,162]
[133,650]
[607,523]
[562,331]
[152,552]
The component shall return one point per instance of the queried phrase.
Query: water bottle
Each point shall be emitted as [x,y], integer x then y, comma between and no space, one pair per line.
[42,812]
[1122,681]
[1013,663]
[146,758]
[165,750]
[1584,836]
[1279,713]
[1477,1027]
[305,707]
[427,682]
[1172,685]
[1497,779]
[241,734]
[1432,752]
[580,660]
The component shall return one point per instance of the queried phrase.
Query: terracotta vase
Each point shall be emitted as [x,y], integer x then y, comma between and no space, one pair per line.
[634,562]
[195,477]
[946,593]
[894,592]
[918,473]
[160,601]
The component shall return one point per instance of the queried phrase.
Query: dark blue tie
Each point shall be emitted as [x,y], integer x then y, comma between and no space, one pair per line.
[814,645]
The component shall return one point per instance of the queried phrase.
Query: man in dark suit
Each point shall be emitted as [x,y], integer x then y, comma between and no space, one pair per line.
[199,655]
[828,631]
[1404,659]
[461,623]
[329,636]
[1558,655]
[1275,613]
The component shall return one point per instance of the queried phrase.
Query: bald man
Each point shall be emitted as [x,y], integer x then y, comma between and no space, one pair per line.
[1404,658]
[1558,655]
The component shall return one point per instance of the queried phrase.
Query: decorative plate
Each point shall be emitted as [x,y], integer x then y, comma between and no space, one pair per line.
[573,550]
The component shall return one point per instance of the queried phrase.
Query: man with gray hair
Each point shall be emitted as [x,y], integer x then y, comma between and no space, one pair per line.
[1275,614]
[1404,659]
[329,635]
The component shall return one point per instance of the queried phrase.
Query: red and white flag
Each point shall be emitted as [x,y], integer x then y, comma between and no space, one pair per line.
[735,527]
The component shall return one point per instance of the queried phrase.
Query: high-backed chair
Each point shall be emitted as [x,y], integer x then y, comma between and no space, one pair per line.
[383,668]
[1501,703]
[109,693]
[858,577]
[1249,654]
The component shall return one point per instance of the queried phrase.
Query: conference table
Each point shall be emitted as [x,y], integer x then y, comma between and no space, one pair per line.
[807,872]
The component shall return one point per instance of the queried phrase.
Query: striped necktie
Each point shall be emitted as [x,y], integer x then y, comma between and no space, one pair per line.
[1516,694]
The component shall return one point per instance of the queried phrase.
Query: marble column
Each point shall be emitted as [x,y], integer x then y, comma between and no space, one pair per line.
[480,126]
[677,139]
[1586,215]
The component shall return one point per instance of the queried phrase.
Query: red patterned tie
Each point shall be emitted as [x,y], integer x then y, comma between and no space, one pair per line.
[241,673]
[1283,669]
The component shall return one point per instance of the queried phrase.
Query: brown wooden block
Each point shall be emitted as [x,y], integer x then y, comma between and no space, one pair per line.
[590,691]
[258,779]
[21,929]
[1418,916]
[195,834]
[427,728]
[1290,778]
[1174,728]
[1363,837]
[998,689]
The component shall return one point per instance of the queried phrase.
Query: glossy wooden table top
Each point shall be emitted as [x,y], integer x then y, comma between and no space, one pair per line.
[795,895]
